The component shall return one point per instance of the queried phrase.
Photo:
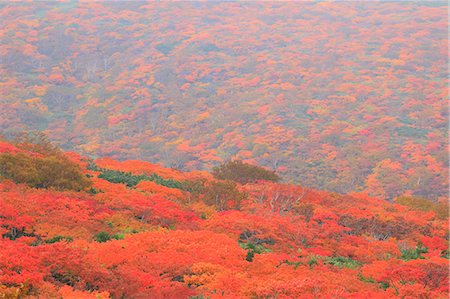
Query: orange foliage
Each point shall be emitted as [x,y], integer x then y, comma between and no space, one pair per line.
[118,241]
[152,187]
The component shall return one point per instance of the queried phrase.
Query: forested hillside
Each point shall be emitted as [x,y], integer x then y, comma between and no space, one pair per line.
[345,96]
[72,227]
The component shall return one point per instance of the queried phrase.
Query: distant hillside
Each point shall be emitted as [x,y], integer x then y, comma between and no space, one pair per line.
[139,230]
[345,96]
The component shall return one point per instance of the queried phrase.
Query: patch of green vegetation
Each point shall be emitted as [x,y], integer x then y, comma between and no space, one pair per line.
[58,239]
[342,262]
[131,180]
[365,279]
[94,191]
[413,253]
[384,285]
[102,237]
[313,261]
[93,167]
[115,176]
[338,261]
[253,249]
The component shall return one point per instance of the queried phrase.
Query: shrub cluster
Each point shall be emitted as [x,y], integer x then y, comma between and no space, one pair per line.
[378,228]
[422,204]
[223,195]
[102,237]
[55,172]
[336,261]
[41,165]
[413,253]
[243,173]
[250,241]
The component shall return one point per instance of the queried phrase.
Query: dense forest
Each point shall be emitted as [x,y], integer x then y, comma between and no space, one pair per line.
[339,96]
[224,149]
[73,227]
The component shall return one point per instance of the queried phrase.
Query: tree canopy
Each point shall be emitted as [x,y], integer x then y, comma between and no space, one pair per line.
[243,173]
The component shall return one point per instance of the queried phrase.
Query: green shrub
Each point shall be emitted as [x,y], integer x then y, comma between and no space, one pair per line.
[295,264]
[250,255]
[313,261]
[253,243]
[102,237]
[253,249]
[93,167]
[58,239]
[94,191]
[14,233]
[256,248]
[413,253]
[342,262]
[365,279]
[116,177]
[131,180]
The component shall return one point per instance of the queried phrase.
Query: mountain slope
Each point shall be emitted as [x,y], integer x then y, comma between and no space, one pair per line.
[343,96]
[143,231]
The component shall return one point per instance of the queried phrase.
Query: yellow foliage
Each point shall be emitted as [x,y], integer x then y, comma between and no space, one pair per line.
[203,274]
[14,292]
[421,204]
[203,209]
[203,116]
[126,222]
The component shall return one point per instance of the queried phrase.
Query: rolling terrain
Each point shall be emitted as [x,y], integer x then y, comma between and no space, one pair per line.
[345,96]
[73,227]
